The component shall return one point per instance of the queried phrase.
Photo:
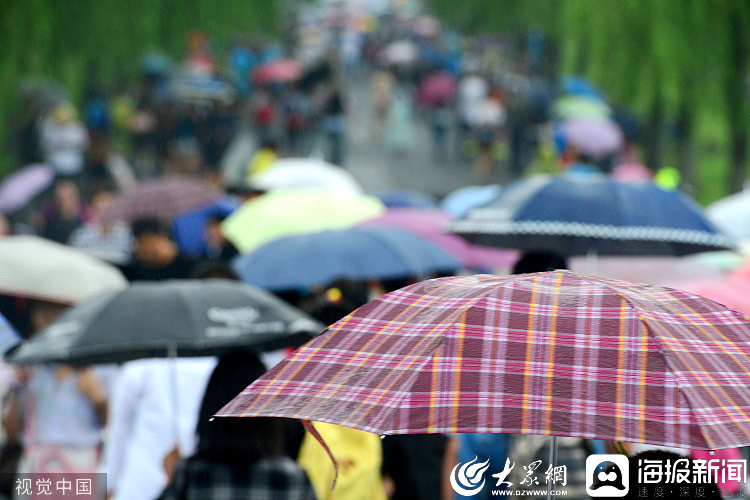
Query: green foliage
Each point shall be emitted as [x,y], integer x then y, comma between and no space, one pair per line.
[72,42]
[683,54]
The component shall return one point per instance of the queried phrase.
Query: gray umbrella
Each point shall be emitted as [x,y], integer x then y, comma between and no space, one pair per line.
[172,318]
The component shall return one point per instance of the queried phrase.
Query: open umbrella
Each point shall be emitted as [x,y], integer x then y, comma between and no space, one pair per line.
[569,107]
[459,202]
[19,188]
[555,353]
[294,211]
[732,290]
[400,52]
[278,71]
[171,318]
[199,87]
[162,199]
[437,89]
[594,137]
[732,214]
[575,214]
[404,198]
[430,225]
[9,337]
[42,269]
[189,228]
[298,173]
[307,260]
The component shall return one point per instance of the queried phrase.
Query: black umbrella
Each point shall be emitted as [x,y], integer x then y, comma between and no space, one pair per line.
[171,318]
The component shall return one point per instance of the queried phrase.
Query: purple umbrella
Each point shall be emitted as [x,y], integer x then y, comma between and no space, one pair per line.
[437,89]
[594,137]
[429,224]
[21,187]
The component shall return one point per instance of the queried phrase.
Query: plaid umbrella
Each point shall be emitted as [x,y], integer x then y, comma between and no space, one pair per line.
[162,199]
[554,353]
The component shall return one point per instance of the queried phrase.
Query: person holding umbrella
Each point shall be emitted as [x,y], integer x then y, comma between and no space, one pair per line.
[56,410]
[156,256]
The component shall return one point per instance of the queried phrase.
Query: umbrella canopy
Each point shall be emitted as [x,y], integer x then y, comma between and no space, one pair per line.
[9,337]
[298,173]
[162,199]
[306,260]
[197,87]
[459,202]
[182,318]
[554,353]
[400,52]
[594,137]
[19,188]
[732,214]
[575,214]
[278,71]
[294,211]
[437,89]
[732,290]
[403,198]
[579,86]
[189,228]
[430,225]
[580,107]
[42,269]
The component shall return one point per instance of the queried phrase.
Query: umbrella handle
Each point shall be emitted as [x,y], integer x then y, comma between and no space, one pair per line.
[311,429]
[553,463]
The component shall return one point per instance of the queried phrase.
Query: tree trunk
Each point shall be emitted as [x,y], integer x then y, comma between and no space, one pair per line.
[654,139]
[736,105]
[686,136]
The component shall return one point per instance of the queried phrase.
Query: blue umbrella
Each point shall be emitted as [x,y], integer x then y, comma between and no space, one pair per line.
[579,86]
[459,202]
[9,337]
[403,198]
[576,214]
[303,261]
[189,228]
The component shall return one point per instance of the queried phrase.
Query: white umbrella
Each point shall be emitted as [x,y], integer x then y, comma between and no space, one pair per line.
[732,214]
[41,269]
[304,173]
[402,52]
[487,113]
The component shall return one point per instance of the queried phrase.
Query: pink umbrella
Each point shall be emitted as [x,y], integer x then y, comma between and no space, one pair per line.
[732,290]
[280,71]
[595,137]
[21,187]
[437,89]
[632,172]
[429,224]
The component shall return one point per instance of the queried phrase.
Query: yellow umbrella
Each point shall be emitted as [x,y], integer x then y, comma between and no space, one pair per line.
[286,212]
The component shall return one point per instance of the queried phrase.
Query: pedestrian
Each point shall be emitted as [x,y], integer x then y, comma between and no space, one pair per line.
[64,141]
[218,248]
[156,255]
[65,213]
[334,122]
[237,458]
[111,241]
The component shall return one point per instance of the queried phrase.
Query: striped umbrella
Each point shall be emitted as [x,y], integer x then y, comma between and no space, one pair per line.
[553,353]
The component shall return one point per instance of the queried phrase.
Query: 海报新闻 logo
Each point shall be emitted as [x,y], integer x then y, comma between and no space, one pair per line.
[468,479]
[607,475]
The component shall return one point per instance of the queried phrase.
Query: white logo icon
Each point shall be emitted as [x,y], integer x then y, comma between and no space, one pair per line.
[466,481]
[607,475]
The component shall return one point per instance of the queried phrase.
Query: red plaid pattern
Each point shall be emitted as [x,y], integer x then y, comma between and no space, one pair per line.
[549,353]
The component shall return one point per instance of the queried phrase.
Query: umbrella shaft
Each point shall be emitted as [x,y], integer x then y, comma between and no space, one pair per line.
[553,463]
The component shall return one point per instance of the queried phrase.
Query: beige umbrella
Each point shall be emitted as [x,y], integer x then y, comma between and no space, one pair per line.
[41,269]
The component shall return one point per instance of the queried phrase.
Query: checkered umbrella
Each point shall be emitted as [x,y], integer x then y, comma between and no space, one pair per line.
[162,199]
[553,353]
